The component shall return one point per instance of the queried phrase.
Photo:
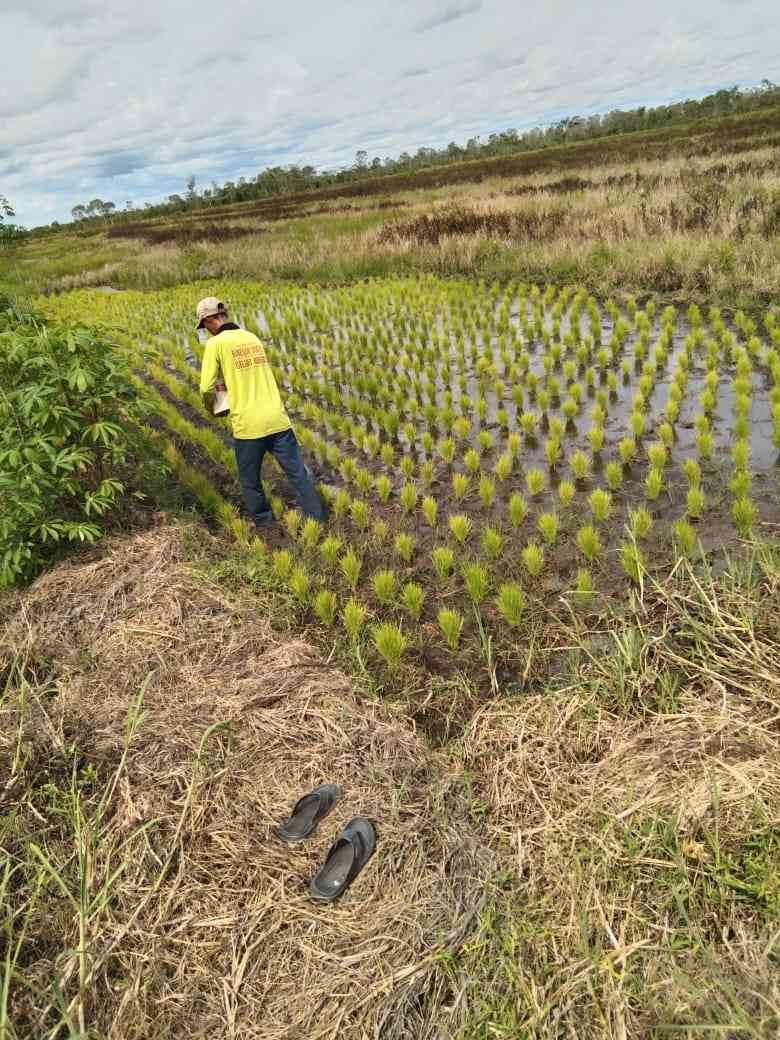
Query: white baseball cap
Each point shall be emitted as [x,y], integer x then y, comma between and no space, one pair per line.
[209,308]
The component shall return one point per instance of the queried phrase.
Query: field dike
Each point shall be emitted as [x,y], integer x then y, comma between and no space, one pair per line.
[158,810]
[598,858]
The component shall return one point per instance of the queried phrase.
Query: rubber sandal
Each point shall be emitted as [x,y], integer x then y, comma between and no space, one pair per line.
[307,813]
[346,857]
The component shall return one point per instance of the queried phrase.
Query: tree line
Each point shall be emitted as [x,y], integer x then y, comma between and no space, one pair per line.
[283,180]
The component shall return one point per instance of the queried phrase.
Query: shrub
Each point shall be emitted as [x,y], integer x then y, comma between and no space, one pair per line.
[325,604]
[443,560]
[413,597]
[451,624]
[589,543]
[460,527]
[391,643]
[71,438]
[533,559]
[511,603]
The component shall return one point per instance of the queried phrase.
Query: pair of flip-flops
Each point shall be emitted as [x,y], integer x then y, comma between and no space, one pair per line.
[348,854]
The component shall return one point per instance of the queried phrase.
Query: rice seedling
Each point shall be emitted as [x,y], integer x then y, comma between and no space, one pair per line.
[460,527]
[330,548]
[341,503]
[704,445]
[353,618]
[570,408]
[566,492]
[627,450]
[451,624]
[741,484]
[364,481]
[413,598]
[407,467]
[548,525]
[384,487]
[692,471]
[492,543]
[487,490]
[430,510]
[391,643]
[351,565]
[740,453]
[632,561]
[385,586]
[528,423]
[282,564]
[638,423]
[511,603]
[292,522]
[657,455]
[325,606]
[360,513]
[579,464]
[745,515]
[517,508]
[600,502]
[446,449]
[387,454]
[654,484]
[444,561]
[485,440]
[614,474]
[471,461]
[640,523]
[695,502]
[685,538]
[300,583]
[310,533]
[514,445]
[404,546]
[589,543]
[552,450]
[584,588]
[533,559]
[503,466]
[380,529]
[460,485]
[535,481]
[475,580]
[408,498]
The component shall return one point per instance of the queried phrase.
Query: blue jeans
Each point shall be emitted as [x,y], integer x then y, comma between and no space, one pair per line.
[284,448]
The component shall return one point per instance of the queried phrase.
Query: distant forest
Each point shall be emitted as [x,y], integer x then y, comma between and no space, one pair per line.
[282,180]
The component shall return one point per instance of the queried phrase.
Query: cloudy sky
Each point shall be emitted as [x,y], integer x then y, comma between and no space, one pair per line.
[126,100]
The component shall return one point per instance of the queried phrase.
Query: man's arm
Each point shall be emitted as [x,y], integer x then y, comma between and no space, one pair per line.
[208,374]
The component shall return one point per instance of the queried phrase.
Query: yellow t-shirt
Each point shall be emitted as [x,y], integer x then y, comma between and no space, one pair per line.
[256,408]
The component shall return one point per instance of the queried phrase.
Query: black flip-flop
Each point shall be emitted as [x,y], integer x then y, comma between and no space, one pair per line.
[346,857]
[307,813]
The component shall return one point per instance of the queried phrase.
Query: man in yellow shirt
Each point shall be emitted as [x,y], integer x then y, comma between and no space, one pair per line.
[260,422]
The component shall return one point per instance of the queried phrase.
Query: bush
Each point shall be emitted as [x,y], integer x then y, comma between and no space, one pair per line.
[69,435]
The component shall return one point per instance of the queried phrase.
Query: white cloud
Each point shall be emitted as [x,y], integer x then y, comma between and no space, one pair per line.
[125,101]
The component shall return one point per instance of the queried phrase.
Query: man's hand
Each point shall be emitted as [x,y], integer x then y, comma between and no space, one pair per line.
[208,402]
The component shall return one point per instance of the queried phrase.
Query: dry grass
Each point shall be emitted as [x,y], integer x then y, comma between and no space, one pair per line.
[207,929]
[641,808]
